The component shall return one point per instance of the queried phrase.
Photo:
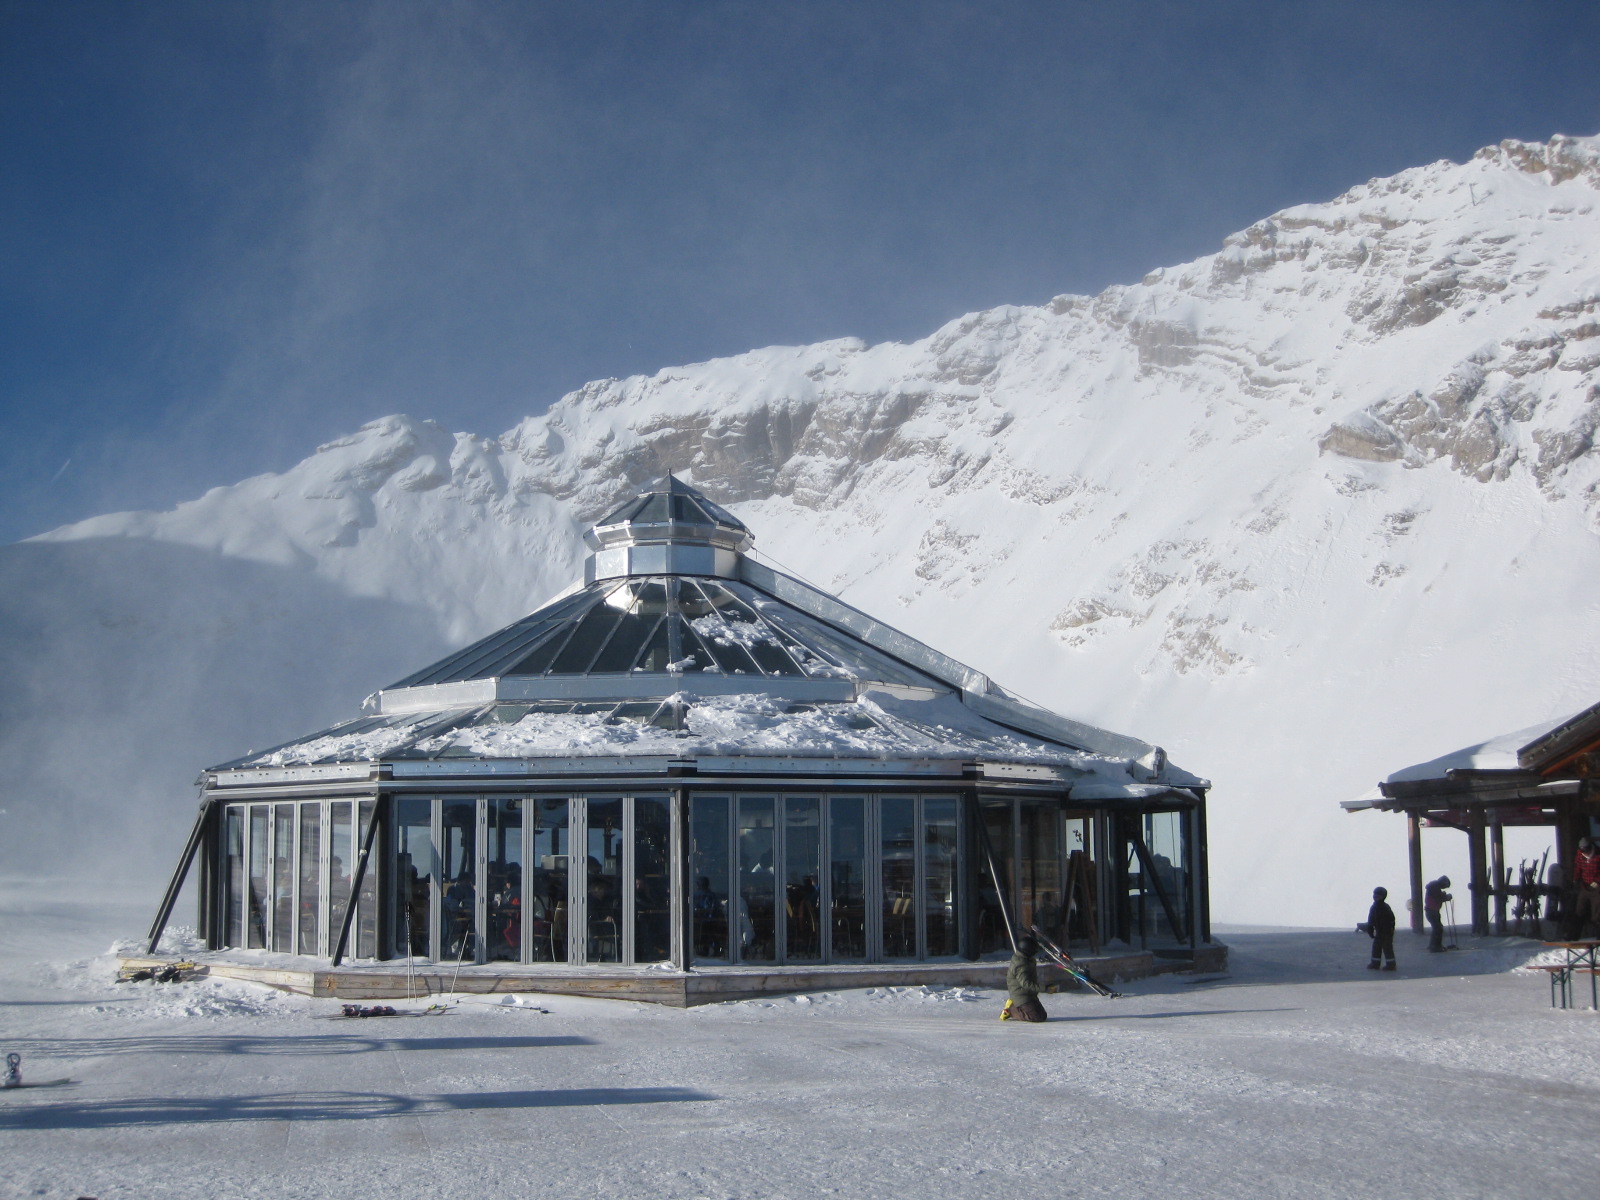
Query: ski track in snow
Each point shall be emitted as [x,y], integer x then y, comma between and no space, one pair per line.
[1297,1075]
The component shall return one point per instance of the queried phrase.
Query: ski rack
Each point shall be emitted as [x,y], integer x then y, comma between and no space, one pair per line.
[1065,961]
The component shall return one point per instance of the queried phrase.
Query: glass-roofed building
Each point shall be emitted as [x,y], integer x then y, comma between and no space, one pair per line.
[691,776]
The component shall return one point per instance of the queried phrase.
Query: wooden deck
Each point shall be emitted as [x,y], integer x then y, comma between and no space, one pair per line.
[656,985]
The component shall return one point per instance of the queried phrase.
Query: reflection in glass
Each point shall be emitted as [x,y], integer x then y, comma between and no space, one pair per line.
[546,896]
[757,928]
[283,879]
[1041,864]
[310,878]
[414,873]
[652,889]
[708,820]
[1079,916]
[604,881]
[992,936]
[258,877]
[940,923]
[899,815]
[1168,904]
[366,932]
[233,919]
[802,858]
[342,863]
[503,937]
[847,843]
[458,831]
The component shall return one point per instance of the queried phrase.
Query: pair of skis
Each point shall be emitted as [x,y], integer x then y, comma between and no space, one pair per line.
[1062,959]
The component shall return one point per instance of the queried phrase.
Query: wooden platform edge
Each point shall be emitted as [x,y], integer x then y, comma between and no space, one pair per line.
[677,989]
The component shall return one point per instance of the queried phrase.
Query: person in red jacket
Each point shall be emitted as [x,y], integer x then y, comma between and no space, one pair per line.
[1586,879]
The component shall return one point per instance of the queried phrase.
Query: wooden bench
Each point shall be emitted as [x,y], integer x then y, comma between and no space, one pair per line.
[1561,980]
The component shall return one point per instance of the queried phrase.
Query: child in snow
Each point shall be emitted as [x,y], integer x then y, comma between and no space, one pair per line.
[1022,985]
[1379,926]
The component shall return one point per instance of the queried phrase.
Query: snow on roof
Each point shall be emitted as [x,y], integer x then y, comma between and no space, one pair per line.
[877,725]
[1496,754]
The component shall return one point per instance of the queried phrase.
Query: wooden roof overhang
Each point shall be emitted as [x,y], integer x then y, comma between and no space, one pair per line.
[1516,797]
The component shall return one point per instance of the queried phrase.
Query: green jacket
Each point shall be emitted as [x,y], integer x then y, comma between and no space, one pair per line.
[1022,979]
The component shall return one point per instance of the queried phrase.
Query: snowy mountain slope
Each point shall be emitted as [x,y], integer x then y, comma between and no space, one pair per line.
[1305,510]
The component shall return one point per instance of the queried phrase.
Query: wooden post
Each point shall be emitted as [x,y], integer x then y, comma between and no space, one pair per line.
[1478,869]
[1414,839]
[1497,869]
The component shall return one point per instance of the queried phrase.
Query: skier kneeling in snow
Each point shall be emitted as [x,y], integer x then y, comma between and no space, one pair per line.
[1022,985]
[1379,927]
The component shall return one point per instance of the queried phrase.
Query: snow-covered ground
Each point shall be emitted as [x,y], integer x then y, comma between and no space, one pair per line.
[1299,1074]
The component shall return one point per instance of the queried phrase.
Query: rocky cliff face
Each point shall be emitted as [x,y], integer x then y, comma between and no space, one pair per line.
[1307,509]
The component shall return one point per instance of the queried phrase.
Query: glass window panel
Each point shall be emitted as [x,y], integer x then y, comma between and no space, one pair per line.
[1041,862]
[690,647]
[991,934]
[487,655]
[503,938]
[657,651]
[708,819]
[539,660]
[802,864]
[941,924]
[653,511]
[283,922]
[341,865]
[1077,920]
[233,921]
[415,873]
[899,857]
[622,651]
[652,884]
[1163,835]
[590,634]
[847,843]
[546,893]
[257,933]
[757,916]
[603,882]
[311,878]
[459,854]
[366,931]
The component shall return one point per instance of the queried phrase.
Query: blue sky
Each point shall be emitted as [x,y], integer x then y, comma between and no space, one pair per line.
[229,231]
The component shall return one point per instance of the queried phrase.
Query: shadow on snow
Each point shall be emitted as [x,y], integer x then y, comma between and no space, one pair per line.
[315,1106]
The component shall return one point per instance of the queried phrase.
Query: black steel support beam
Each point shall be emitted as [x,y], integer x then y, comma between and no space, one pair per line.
[175,884]
[367,840]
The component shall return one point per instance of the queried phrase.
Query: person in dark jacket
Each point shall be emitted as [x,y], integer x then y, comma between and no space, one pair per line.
[1022,985]
[1379,927]
[1586,883]
[1434,897]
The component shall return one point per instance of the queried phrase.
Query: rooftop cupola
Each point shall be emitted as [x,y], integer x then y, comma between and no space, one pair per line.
[668,529]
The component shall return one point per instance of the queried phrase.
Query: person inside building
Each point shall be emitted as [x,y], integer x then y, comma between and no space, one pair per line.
[1379,926]
[1434,897]
[1586,885]
[1022,985]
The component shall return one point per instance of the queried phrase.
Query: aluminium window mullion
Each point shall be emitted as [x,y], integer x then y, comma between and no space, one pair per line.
[628,884]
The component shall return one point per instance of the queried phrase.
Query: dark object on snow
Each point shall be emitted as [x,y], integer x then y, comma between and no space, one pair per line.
[176,972]
[13,1070]
[374,1010]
